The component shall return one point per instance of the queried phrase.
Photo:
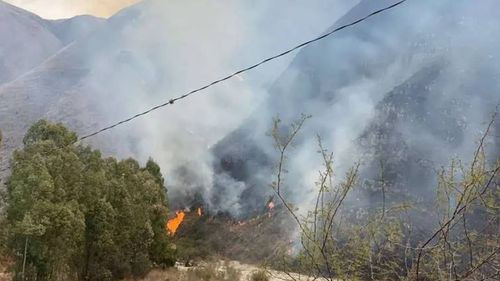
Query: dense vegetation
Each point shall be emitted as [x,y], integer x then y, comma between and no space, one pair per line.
[73,215]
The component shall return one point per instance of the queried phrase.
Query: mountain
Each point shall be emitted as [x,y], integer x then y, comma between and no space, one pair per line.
[35,67]
[26,40]
[402,93]
[59,88]
[146,54]
[407,90]
[68,30]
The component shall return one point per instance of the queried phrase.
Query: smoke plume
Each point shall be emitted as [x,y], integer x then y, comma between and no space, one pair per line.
[410,88]
[149,54]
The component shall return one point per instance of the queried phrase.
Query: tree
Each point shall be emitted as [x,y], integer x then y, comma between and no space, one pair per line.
[366,243]
[74,215]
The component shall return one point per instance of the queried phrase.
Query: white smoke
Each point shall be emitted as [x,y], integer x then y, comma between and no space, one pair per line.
[161,49]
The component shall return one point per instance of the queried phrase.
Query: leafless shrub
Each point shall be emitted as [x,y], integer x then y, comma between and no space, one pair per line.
[381,245]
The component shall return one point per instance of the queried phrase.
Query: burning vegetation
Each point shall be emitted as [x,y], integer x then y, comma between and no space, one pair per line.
[361,242]
[173,224]
[200,234]
[334,240]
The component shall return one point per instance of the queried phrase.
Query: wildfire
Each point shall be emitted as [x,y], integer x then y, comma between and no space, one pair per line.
[173,224]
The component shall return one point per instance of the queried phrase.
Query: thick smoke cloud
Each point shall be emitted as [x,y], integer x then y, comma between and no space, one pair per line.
[158,50]
[411,87]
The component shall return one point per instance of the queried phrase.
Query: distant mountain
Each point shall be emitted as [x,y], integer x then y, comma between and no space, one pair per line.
[404,93]
[35,67]
[68,30]
[58,87]
[26,40]
[145,54]
[406,89]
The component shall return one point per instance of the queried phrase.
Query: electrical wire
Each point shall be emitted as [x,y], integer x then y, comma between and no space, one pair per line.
[236,73]
[172,101]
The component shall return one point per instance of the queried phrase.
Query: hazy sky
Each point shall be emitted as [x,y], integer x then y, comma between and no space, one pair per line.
[53,9]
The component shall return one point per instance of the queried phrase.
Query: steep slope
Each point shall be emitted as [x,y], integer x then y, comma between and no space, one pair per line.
[147,54]
[25,41]
[403,89]
[37,68]
[29,97]
[409,90]
[56,88]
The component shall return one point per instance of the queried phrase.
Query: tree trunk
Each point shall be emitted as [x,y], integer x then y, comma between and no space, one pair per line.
[24,258]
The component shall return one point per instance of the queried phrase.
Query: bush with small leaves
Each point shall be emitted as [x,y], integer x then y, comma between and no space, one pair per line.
[259,275]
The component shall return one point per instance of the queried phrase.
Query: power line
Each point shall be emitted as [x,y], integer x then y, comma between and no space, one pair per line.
[172,101]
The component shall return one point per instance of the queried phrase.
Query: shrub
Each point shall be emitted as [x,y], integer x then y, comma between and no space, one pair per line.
[259,275]
[214,272]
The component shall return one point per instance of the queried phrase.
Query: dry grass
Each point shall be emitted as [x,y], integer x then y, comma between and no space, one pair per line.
[4,274]
[221,271]
[172,274]
[259,275]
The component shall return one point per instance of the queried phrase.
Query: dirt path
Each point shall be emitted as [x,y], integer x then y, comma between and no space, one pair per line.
[179,272]
[247,271]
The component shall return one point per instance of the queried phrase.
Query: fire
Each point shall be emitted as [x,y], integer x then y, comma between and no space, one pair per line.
[173,224]
[199,212]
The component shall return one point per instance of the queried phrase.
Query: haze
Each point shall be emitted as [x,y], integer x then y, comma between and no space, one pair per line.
[57,9]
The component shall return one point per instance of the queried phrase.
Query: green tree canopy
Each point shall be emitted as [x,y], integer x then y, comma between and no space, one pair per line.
[80,216]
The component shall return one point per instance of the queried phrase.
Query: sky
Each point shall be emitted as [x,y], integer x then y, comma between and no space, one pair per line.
[56,9]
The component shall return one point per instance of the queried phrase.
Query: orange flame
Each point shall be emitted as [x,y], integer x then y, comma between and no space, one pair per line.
[199,212]
[173,224]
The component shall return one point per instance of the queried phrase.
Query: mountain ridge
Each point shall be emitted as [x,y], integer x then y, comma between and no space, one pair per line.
[27,40]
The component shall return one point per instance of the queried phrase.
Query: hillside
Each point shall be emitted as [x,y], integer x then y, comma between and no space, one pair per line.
[403,96]
[378,93]
[34,69]
[369,154]
[26,40]
[138,58]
